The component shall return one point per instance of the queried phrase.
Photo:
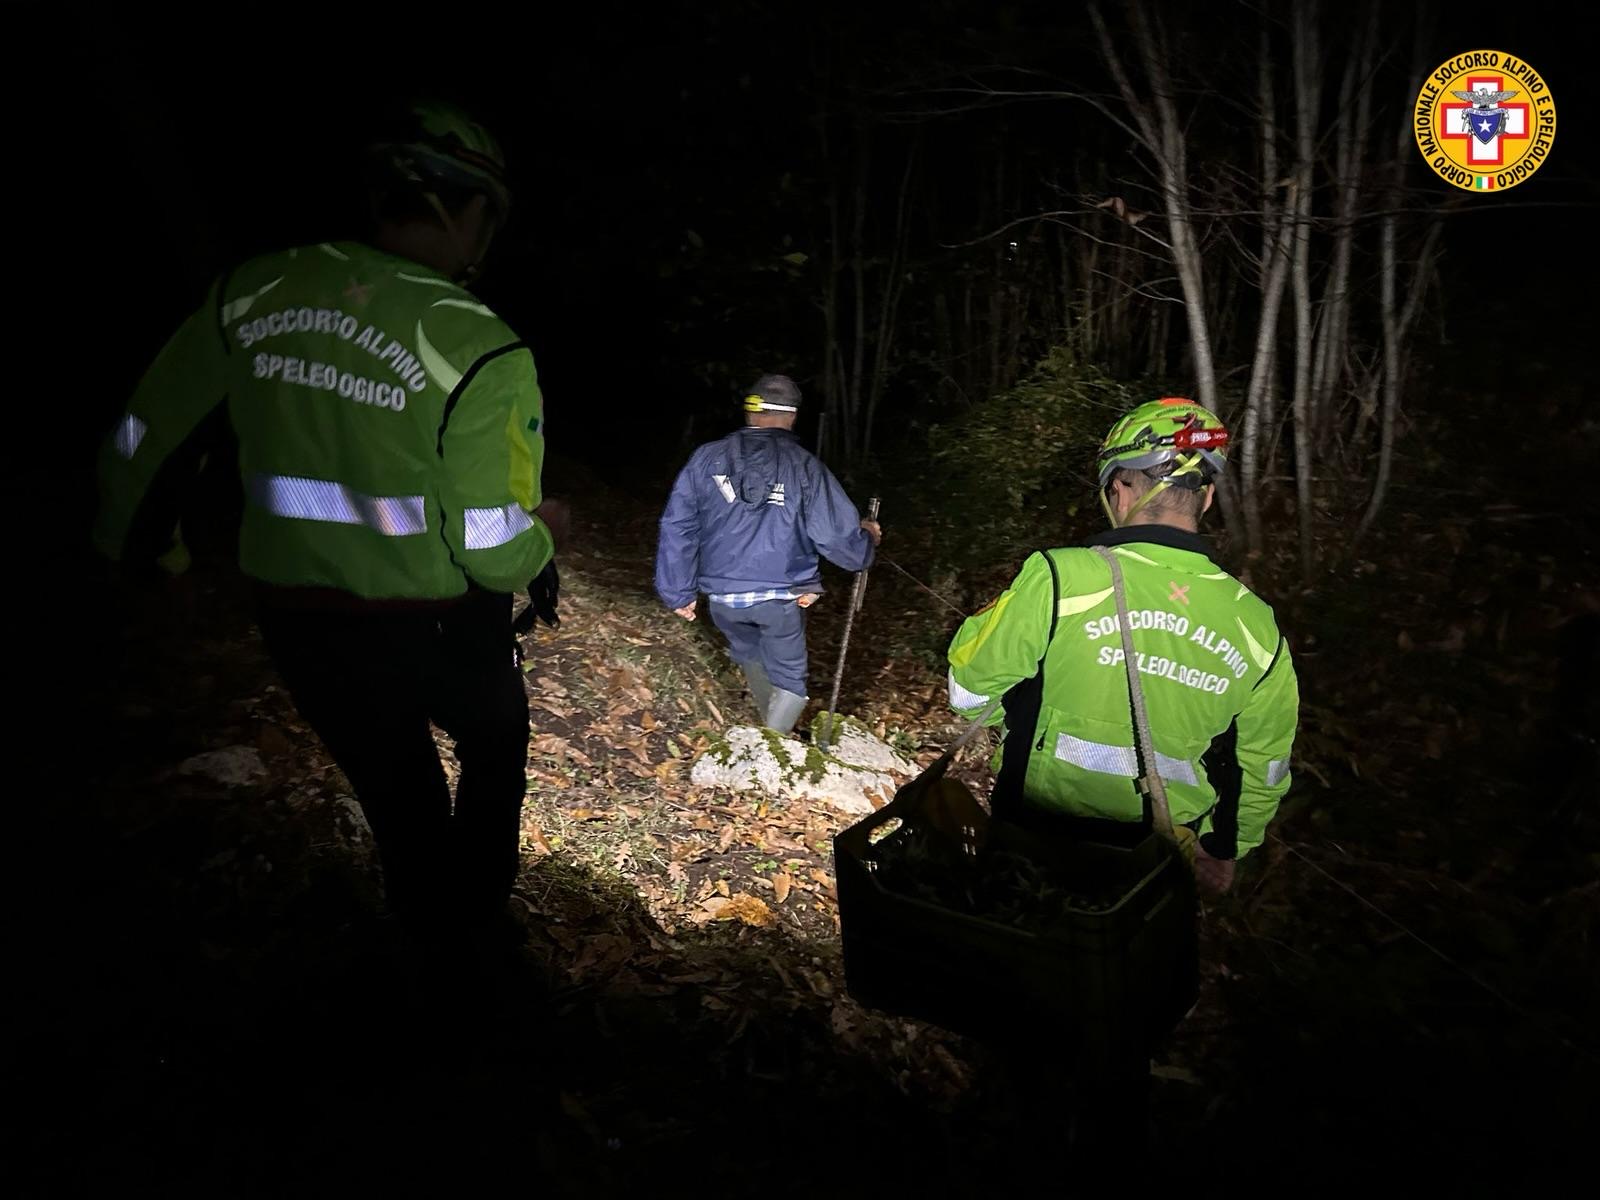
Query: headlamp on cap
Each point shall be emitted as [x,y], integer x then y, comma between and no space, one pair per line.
[773,393]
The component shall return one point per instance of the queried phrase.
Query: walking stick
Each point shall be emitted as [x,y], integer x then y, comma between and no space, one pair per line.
[857,597]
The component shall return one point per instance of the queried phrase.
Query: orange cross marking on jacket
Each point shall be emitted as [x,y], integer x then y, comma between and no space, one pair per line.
[1180,594]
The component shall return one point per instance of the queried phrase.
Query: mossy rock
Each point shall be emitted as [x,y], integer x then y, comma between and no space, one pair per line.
[819,727]
[748,757]
[813,767]
[719,750]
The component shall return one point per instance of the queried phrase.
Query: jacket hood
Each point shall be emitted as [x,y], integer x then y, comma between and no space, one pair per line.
[753,463]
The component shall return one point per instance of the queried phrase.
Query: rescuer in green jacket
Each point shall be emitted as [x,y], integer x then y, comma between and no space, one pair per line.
[1218,679]
[390,433]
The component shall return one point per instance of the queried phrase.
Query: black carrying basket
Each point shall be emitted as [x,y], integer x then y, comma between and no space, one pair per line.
[1100,987]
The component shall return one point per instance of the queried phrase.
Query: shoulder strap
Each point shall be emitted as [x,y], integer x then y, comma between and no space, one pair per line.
[1150,782]
[1055,603]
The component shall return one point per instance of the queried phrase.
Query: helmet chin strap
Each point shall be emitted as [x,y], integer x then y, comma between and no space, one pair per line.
[1106,505]
[1189,465]
[1111,516]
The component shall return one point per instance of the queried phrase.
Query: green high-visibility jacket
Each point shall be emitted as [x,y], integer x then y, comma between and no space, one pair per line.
[390,427]
[1218,681]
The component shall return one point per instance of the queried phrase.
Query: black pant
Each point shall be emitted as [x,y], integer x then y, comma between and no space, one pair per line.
[369,684]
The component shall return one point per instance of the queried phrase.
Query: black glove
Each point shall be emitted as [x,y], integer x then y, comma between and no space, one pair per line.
[543,593]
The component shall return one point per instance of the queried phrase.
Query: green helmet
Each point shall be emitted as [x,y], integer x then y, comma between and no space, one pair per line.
[438,143]
[1173,430]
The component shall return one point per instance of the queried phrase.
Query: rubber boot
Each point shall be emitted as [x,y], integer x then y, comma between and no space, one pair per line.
[784,710]
[755,675]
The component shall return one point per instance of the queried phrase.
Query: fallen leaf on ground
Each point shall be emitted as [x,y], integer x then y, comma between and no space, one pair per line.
[746,909]
[780,886]
[550,706]
[558,747]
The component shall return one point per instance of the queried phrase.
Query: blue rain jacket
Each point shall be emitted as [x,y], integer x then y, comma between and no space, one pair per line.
[752,512]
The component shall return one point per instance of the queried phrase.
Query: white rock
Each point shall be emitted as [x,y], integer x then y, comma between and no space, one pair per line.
[855,747]
[234,766]
[752,759]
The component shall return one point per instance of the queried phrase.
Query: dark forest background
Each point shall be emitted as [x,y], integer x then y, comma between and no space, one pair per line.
[915,210]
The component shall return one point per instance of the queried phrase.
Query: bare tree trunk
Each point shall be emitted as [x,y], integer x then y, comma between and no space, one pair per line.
[1420,274]
[1391,365]
[1338,274]
[1272,271]
[1306,85]
[1162,133]
[1355,98]
[1271,425]
[1262,370]
[1396,326]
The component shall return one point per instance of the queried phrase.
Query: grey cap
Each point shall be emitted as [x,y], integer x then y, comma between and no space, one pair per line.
[773,393]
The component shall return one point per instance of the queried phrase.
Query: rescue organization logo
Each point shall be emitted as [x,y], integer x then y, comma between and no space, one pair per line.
[1484,121]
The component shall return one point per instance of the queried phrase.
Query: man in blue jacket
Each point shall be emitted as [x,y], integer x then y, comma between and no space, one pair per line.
[746,520]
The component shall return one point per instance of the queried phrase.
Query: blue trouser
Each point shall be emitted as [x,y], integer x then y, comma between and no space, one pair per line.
[772,633]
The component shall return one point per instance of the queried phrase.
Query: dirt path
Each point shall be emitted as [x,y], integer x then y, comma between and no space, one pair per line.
[233,1015]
